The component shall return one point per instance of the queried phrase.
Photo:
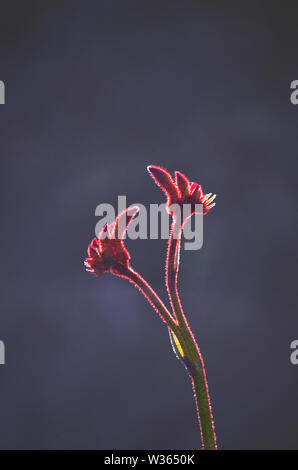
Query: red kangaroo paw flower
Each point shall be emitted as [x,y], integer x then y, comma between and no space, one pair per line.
[108,253]
[181,191]
[186,347]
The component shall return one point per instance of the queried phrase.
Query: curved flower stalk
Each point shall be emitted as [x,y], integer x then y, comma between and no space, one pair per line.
[108,254]
[182,191]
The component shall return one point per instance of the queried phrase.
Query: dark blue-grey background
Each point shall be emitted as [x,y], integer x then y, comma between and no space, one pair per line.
[96,91]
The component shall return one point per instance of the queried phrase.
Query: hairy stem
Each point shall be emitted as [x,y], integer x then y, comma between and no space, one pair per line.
[204,412]
[192,357]
[151,296]
[172,267]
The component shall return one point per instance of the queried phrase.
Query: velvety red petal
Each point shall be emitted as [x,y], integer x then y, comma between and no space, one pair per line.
[164,180]
[197,194]
[182,182]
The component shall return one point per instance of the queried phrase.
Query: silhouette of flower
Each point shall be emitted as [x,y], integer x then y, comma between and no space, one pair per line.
[107,253]
[181,191]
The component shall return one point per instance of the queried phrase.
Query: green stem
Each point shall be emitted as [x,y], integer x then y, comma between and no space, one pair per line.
[203,410]
[192,357]
[189,353]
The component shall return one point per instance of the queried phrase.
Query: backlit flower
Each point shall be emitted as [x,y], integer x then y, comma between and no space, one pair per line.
[181,191]
[107,253]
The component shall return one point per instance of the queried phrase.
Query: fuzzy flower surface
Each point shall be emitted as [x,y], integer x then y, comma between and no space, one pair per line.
[181,191]
[107,253]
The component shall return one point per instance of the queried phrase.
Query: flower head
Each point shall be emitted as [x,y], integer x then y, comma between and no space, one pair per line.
[107,253]
[181,191]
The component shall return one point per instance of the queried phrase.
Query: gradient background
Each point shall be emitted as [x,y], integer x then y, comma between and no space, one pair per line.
[96,91]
